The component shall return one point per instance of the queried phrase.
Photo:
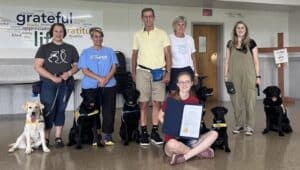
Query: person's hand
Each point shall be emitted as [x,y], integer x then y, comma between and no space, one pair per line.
[102,81]
[225,78]
[56,79]
[161,117]
[166,78]
[65,76]
[258,81]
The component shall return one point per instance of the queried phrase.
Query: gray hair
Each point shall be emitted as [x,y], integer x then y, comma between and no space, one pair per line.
[96,29]
[178,19]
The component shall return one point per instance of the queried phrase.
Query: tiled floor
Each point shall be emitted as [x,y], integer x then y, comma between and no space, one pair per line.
[259,152]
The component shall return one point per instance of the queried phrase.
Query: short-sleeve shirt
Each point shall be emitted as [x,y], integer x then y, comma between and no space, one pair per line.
[189,100]
[182,49]
[99,62]
[57,58]
[252,44]
[150,46]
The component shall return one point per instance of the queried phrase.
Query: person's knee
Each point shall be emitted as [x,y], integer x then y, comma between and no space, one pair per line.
[156,104]
[172,144]
[144,106]
[213,134]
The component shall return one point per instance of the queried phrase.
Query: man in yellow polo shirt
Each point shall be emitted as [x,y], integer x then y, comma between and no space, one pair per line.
[151,51]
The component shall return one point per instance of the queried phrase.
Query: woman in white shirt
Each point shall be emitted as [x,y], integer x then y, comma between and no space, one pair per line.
[183,52]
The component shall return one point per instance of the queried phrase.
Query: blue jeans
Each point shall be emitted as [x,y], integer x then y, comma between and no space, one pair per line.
[54,111]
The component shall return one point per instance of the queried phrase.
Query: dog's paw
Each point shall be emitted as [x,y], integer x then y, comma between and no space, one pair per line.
[46,149]
[28,151]
[125,143]
[11,150]
[265,131]
[78,147]
[281,134]
[227,150]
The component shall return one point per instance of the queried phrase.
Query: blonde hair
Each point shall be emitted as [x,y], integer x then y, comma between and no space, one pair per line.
[178,19]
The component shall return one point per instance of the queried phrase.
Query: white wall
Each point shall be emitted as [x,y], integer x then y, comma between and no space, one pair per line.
[121,20]
[294,28]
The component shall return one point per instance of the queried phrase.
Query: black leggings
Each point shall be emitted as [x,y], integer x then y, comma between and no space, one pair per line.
[107,103]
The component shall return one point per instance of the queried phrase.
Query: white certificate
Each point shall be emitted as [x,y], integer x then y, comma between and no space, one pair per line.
[191,121]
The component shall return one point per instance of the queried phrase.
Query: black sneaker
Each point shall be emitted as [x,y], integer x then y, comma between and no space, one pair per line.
[155,137]
[144,140]
[58,143]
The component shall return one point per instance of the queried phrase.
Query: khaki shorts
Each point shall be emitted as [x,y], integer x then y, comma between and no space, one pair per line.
[149,89]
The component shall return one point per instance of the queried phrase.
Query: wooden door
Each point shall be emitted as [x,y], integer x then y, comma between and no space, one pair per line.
[206,43]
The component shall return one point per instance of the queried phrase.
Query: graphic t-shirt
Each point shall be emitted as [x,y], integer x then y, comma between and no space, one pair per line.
[182,49]
[57,58]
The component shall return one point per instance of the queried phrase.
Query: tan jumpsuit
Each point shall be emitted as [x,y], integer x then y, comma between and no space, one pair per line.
[242,73]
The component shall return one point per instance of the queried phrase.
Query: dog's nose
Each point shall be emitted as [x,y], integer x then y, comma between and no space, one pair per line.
[33,113]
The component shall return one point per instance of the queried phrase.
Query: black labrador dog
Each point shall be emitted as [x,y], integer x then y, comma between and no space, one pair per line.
[276,113]
[220,126]
[86,125]
[130,116]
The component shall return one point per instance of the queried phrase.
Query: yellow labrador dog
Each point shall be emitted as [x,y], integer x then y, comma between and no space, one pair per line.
[33,135]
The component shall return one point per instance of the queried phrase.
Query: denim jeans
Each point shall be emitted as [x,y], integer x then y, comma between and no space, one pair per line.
[55,98]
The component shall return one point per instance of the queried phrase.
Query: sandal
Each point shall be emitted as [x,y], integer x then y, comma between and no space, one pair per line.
[58,143]
[207,154]
[177,159]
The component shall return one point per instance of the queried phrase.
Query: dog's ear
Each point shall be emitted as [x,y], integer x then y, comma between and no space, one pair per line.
[266,90]
[137,93]
[214,110]
[225,110]
[41,105]
[25,105]
[278,90]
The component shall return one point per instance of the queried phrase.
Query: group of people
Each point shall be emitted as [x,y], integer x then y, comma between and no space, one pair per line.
[158,60]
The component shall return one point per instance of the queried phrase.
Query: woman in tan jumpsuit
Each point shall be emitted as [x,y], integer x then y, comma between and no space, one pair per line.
[242,68]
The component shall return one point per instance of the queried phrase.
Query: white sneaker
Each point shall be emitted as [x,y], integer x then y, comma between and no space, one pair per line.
[237,130]
[249,131]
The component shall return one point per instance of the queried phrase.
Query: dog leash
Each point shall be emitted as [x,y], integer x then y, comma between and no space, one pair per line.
[55,98]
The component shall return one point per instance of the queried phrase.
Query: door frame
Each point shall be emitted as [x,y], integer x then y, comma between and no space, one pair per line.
[220,65]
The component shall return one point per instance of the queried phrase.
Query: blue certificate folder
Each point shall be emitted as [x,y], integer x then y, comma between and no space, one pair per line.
[173,118]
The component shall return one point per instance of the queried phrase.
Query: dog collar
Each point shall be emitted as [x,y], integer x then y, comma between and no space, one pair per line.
[219,125]
[36,122]
[132,111]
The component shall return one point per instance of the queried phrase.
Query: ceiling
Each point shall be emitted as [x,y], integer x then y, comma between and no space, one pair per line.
[270,5]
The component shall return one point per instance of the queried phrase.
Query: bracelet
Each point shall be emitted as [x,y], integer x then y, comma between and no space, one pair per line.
[258,77]
[69,73]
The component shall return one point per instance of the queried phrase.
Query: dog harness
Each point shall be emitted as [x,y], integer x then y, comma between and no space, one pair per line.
[219,125]
[77,114]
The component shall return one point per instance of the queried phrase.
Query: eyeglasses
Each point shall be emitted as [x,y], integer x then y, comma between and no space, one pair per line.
[184,82]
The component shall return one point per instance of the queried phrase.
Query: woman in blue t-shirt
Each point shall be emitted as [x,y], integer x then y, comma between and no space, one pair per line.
[98,64]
